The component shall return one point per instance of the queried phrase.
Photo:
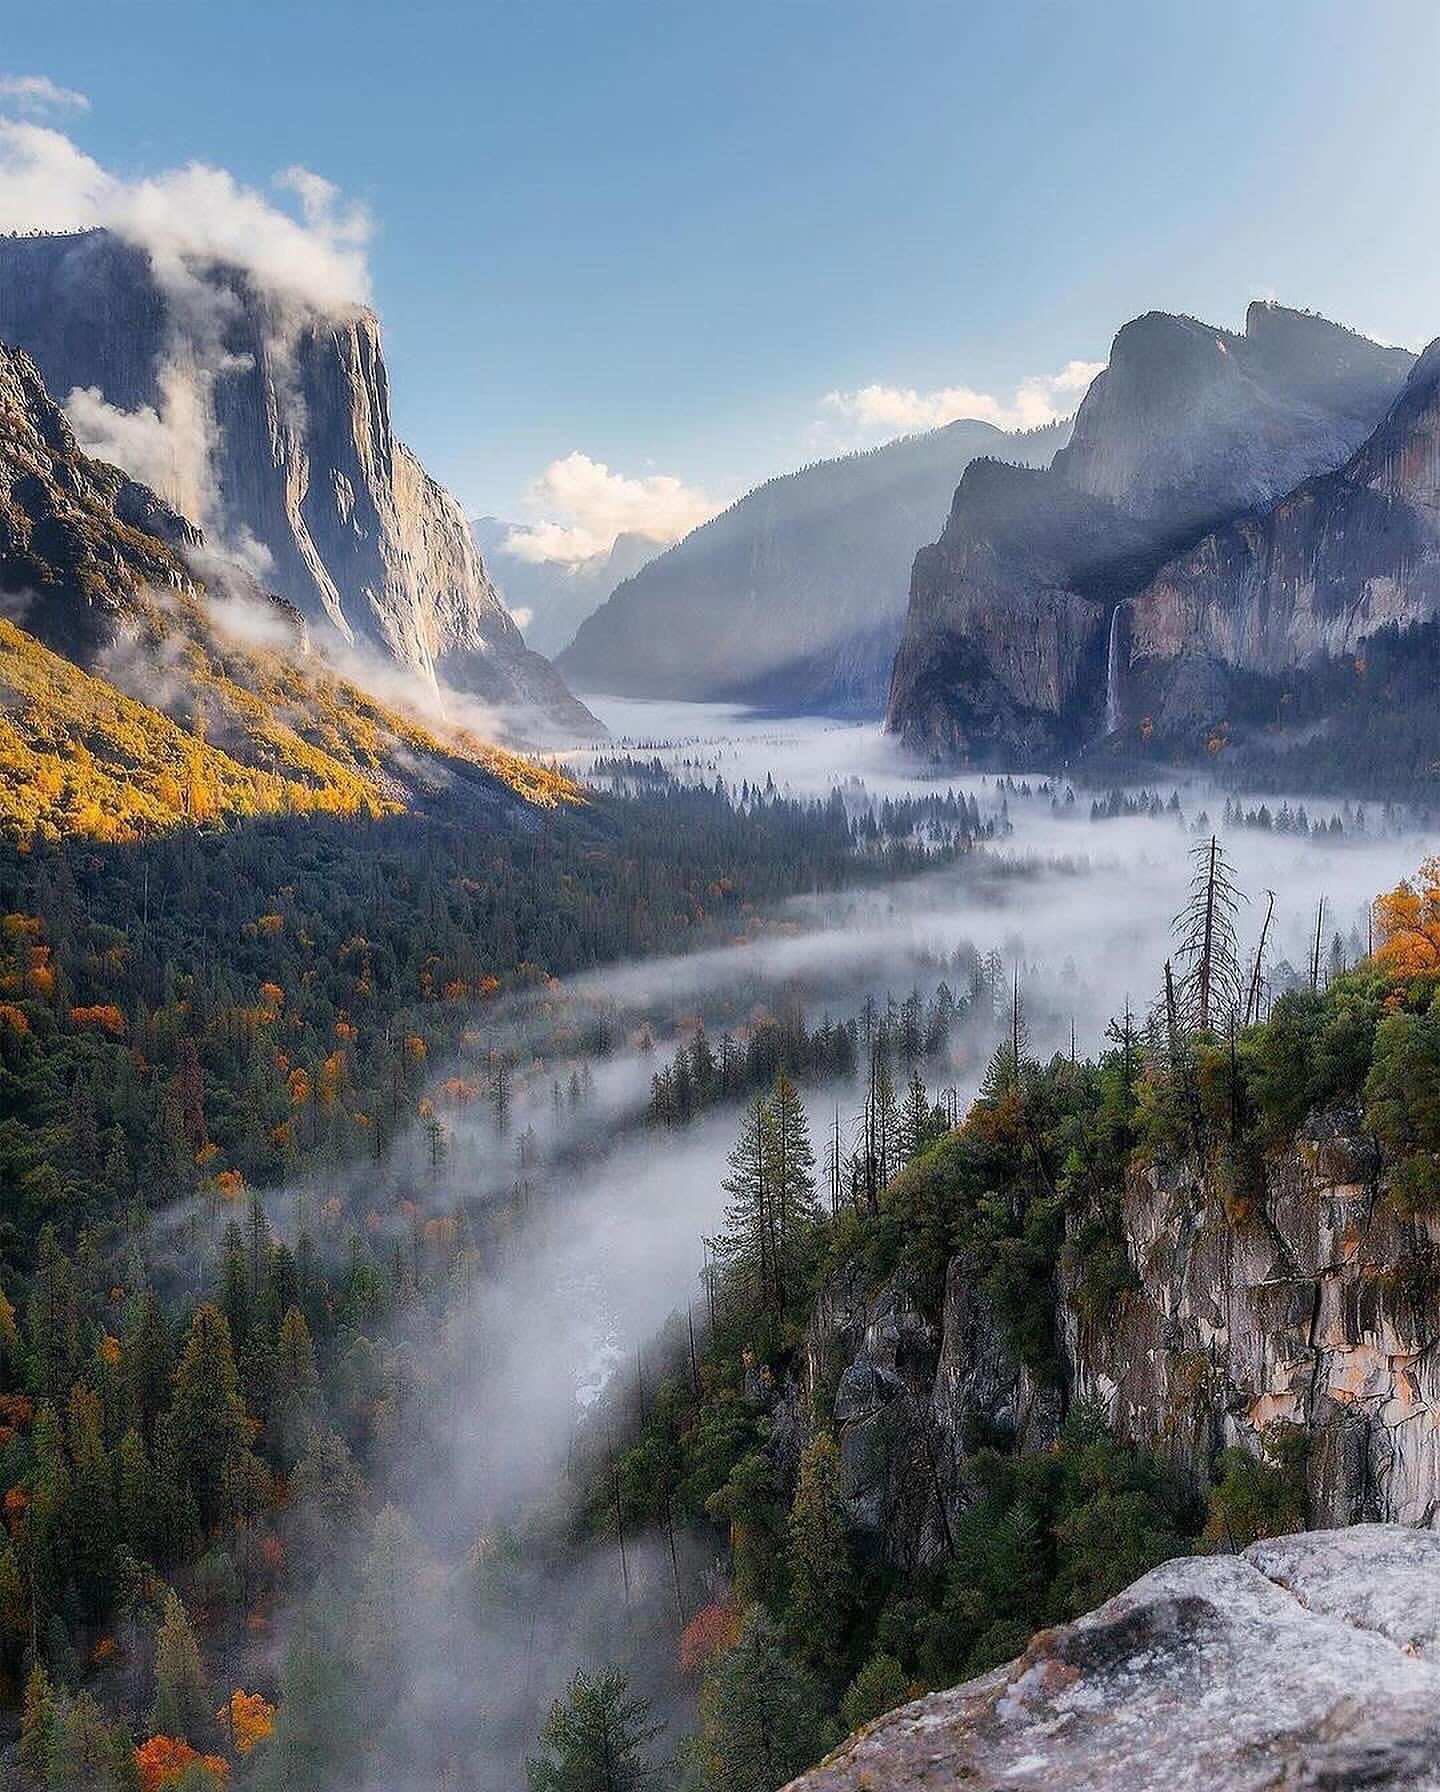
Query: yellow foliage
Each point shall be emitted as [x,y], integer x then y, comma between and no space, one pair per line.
[252,1719]
[80,756]
[1407,921]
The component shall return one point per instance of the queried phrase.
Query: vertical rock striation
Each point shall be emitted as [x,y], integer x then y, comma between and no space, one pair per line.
[269,423]
[1004,654]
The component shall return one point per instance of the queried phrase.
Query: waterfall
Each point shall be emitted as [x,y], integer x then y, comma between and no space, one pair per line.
[1114,671]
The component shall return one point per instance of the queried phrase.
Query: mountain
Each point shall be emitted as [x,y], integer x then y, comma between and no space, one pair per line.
[1015,617]
[133,699]
[268,423]
[794,597]
[554,599]
[1311,578]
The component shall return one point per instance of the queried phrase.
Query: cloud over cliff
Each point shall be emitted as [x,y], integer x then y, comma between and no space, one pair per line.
[191,219]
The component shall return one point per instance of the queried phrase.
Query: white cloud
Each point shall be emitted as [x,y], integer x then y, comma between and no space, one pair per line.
[522,615]
[38,93]
[884,411]
[193,218]
[580,507]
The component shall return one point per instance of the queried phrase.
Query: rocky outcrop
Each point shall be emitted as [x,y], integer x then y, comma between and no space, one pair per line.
[1314,1309]
[81,544]
[1340,557]
[793,598]
[269,424]
[1308,1303]
[1309,1661]
[1005,651]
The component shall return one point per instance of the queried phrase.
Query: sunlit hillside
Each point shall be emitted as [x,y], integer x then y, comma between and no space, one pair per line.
[243,731]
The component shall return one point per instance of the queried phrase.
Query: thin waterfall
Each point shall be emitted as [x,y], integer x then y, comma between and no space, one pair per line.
[1114,672]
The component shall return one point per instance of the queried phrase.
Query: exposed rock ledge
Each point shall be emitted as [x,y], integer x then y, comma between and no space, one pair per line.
[1310,1661]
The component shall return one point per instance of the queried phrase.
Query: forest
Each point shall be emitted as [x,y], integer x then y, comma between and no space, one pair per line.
[239,1279]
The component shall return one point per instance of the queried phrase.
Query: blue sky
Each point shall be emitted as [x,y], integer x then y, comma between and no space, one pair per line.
[657,235]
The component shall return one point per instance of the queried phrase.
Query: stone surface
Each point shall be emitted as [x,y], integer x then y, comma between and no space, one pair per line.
[80,543]
[1004,654]
[1309,1662]
[281,447]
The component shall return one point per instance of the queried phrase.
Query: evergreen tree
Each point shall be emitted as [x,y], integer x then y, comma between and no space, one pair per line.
[760,1721]
[790,1182]
[182,1704]
[208,1415]
[594,1740]
[37,1725]
[746,1245]
[821,1576]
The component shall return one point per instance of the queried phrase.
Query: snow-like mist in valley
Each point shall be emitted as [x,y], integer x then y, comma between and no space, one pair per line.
[604,1216]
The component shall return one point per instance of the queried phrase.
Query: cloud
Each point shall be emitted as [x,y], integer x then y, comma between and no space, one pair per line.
[38,93]
[902,410]
[522,615]
[194,218]
[581,507]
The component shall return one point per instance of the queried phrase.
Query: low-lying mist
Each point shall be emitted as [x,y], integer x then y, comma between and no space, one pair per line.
[589,1223]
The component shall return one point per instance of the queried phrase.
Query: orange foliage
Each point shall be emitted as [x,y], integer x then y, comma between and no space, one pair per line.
[229,1185]
[17,1504]
[713,1629]
[1408,924]
[162,1762]
[108,1350]
[270,923]
[488,985]
[299,1088]
[104,1015]
[415,1046]
[103,1650]
[252,1719]
[13,1018]
[272,995]
[344,1030]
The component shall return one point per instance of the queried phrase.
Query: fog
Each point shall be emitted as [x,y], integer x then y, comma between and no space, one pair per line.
[589,1223]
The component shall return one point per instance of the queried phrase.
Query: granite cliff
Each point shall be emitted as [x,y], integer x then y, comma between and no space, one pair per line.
[268,423]
[1021,609]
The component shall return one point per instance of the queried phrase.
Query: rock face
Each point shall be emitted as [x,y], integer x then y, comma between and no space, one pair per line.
[269,424]
[80,543]
[1005,653]
[1310,1661]
[1344,554]
[794,597]
[1313,1306]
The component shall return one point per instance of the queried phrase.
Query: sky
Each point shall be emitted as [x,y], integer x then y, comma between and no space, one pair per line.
[632,258]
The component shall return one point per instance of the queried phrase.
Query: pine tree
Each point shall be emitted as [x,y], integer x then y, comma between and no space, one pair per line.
[92,1524]
[760,1721]
[182,1702]
[37,1725]
[1209,991]
[917,1119]
[745,1246]
[207,1416]
[594,1740]
[790,1180]
[294,1408]
[821,1581]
